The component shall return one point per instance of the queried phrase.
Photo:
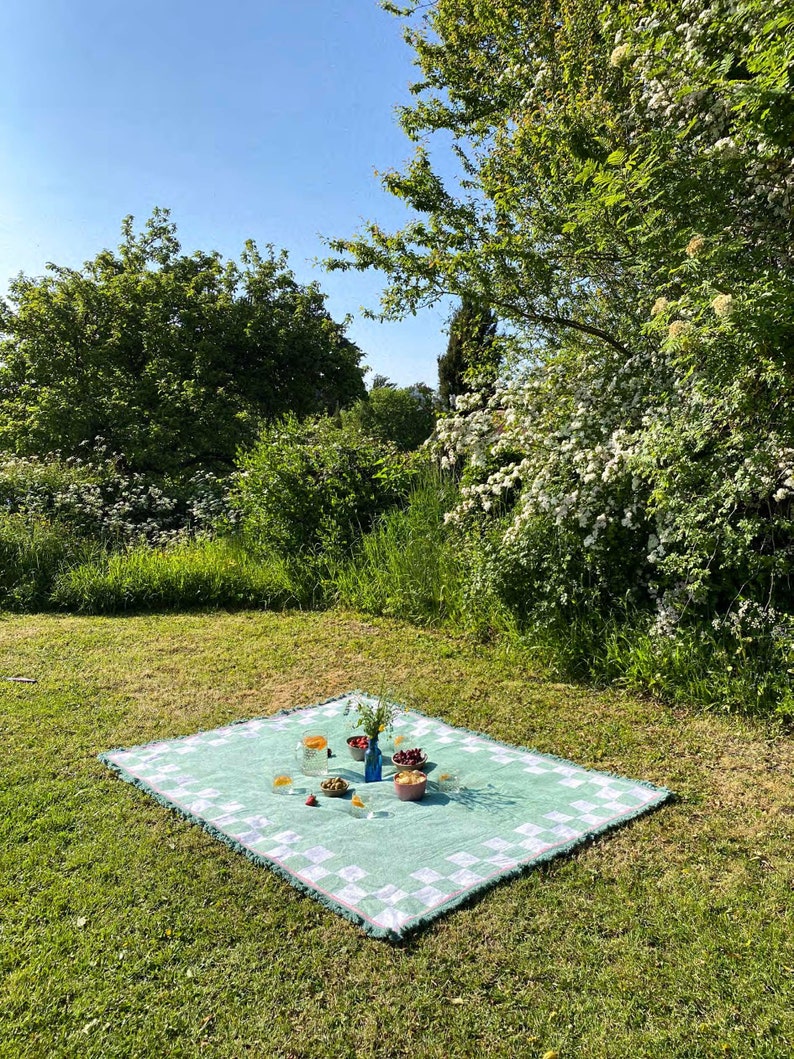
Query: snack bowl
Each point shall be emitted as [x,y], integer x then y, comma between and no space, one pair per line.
[334,787]
[356,752]
[406,766]
[410,785]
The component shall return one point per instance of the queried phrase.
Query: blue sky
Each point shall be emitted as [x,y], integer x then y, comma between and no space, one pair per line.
[252,119]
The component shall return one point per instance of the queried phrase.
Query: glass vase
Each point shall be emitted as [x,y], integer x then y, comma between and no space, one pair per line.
[373,762]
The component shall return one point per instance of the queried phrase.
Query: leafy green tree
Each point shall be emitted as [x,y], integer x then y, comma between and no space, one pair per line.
[625,205]
[172,359]
[470,357]
[403,415]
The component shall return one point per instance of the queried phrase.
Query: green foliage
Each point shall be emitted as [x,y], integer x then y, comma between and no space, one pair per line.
[404,416]
[471,357]
[61,519]
[315,486]
[543,594]
[32,553]
[625,206]
[183,576]
[92,499]
[170,359]
[376,718]
[741,667]
[408,566]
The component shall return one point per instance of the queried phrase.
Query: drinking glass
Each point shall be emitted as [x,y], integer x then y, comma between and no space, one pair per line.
[283,782]
[448,781]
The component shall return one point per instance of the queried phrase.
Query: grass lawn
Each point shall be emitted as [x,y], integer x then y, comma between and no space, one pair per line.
[126,931]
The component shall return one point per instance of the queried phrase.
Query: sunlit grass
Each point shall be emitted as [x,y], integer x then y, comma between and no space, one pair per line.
[125,931]
[196,573]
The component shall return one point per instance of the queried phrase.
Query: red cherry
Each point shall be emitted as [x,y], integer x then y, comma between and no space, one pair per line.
[311,800]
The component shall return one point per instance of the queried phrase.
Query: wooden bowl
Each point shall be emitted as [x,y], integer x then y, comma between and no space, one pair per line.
[334,792]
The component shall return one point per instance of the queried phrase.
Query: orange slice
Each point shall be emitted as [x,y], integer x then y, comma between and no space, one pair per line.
[355,800]
[315,742]
[282,781]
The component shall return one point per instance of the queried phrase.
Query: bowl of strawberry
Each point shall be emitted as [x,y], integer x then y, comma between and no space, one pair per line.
[357,745]
[415,758]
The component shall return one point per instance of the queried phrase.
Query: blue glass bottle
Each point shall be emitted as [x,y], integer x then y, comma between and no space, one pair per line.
[373,762]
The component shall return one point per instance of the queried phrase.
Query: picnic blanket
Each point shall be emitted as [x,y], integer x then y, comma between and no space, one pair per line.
[395,865]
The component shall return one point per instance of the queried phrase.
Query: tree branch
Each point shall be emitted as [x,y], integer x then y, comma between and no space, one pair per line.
[574,325]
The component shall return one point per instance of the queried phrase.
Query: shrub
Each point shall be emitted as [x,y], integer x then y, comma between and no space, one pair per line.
[315,486]
[405,416]
[94,499]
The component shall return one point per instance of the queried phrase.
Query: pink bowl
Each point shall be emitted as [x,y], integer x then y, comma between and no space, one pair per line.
[410,792]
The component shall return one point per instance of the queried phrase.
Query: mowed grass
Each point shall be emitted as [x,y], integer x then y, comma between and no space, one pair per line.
[128,932]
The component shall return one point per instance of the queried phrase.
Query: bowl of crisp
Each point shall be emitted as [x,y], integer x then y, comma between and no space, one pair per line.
[410,785]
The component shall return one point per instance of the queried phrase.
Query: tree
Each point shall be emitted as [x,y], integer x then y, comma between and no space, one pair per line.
[625,205]
[403,415]
[173,360]
[594,143]
[470,358]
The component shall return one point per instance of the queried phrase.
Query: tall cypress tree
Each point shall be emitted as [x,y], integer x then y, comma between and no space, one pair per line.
[470,349]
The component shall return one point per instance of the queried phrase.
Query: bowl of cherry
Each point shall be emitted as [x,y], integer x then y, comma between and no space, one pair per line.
[357,745]
[415,758]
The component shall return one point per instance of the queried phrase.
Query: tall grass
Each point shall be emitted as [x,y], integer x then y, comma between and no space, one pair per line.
[698,665]
[690,666]
[407,565]
[33,551]
[197,573]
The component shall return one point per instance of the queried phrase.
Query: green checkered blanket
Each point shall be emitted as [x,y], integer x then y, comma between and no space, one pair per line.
[394,865]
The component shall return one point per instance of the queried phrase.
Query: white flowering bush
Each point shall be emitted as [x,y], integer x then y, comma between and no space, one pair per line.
[603,500]
[56,514]
[624,200]
[93,498]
